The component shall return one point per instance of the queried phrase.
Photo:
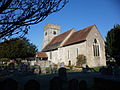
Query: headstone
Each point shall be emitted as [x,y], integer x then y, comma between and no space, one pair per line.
[32,85]
[37,70]
[73,84]
[62,73]
[11,66]
[103,70]
[9,84]
[55,84]
[84,68]
[116,70]
[83,85]
[109,70]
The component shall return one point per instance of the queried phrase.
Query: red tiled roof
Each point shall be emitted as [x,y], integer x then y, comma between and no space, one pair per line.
[56,41]
[78,36]
[60,37]
[41,55]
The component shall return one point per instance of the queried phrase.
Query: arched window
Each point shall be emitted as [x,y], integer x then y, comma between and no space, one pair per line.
[45,33]
[96,50]
[69,63]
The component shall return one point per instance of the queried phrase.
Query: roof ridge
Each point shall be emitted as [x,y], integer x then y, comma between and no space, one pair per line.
[87,27]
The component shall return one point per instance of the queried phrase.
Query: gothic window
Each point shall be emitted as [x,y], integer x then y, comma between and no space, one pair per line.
[96,47]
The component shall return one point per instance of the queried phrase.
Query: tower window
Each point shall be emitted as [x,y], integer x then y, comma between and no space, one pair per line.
[54,32]
[45,33]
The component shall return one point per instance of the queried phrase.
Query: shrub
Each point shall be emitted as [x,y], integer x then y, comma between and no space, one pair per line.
[47,69]
[81,59]
[96,68]
[4,59]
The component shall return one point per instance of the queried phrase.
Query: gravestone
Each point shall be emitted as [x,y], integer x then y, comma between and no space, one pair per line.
[103,70]
[109,70]
[9,84]
[62,73]
[32,85]
[55,84]
[37,70]
[73,84]
[84,68]
[116,70]
[82,85]
[11,66]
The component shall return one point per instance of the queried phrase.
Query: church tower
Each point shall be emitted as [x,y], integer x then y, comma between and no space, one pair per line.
[50,31]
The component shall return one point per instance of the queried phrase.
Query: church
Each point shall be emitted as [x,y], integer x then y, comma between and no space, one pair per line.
[65,47]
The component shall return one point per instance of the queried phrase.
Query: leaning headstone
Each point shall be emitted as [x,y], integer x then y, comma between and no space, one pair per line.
[32,85]
[55,84]
[62,73]
[83,85]
[9,84]
[73,84]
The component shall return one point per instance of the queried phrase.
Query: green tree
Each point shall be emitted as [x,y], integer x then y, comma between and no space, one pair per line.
[113,43]
[81,59]
[16,16]
[17,48]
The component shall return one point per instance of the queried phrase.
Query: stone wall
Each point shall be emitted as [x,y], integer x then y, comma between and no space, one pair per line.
[72,52]
[86,48]
[55,56]
[93,61]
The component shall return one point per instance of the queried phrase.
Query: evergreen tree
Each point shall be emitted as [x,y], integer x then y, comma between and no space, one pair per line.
[17,48]
[113,43]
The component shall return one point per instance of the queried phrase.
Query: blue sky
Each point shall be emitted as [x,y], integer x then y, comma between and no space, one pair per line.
[79,14]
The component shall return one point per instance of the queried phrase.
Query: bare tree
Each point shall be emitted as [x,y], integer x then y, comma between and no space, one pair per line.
[16,16]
